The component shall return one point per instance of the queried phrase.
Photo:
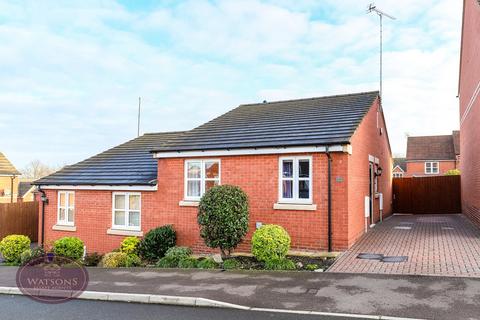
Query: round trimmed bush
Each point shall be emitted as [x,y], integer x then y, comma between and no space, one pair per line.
[130,245]
[13,246]
[270,242]
[156,242]
[69,247]
[223,217]
[132,260]
[114,260]
[173,256]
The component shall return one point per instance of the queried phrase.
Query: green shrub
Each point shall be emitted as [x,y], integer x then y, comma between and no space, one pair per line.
[206,263]
[187,263]
[231,264]
[311,267]
[280,264]
[69,247]
[92,259]
[173,257]
[156,243]
[223,217]
[270,242]
[114,260]
[167,262]
[130,245]
[12,247]
[453,172]
[132,260]
[31,254]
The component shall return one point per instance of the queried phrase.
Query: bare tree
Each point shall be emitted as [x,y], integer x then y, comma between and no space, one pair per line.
[36,169]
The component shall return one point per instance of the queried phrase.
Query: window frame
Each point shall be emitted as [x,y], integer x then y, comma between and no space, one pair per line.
[127,210]
[398,174]
[202,178]
[67,206]
[431,167]
[295,178]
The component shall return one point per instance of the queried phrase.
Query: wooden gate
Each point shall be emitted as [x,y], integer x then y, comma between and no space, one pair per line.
[422,195]
[19,218]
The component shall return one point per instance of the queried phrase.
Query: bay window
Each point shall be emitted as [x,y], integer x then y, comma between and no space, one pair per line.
[200,175]
[295,179]
[126,209]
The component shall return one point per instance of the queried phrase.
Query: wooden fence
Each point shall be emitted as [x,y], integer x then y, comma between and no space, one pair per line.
[19,218]
[422,195]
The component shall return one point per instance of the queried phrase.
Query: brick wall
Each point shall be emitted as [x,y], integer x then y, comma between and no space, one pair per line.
[417,168]
[366,141]
[469,128]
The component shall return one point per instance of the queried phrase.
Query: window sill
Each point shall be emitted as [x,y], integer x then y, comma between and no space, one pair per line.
[189,203]
[64,228]
[294,206]
[120,232]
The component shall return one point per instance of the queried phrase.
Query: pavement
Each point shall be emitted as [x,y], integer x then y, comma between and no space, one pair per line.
[20,307]
[418,297]
[438,245]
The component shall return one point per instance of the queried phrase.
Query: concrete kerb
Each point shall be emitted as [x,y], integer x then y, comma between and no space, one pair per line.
[194,302]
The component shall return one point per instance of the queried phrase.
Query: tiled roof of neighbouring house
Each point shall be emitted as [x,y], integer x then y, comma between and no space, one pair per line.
[6,167]
[23,187]
[130,163]
[431,148]
[456,142]
[401,162]
[314,121]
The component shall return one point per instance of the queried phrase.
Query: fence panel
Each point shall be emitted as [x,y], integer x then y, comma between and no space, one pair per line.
[19,218]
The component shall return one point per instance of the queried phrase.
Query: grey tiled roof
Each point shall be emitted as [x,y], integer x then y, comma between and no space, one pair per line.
[430,148]
[23,187]
[315,121]
[130,163]
[6,167]
[401,162]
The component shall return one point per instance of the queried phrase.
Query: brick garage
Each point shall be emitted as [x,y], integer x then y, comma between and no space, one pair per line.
[257,174]
[469,96]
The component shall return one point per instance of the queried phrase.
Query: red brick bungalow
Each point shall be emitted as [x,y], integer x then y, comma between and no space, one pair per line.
[277,152]
[469,96]
[432,155]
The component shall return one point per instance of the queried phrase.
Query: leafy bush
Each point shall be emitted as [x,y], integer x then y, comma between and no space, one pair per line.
[311,267]
[92,259]
[69,247]
[114,260]
[231,264]
[223,217]
[13,246]
[132,260]
[130,245]
[188,262]
[31,254]
[280,264]
[206,263]
[270,242]
[453,172]
[167,262]
[173,257]
[156,243]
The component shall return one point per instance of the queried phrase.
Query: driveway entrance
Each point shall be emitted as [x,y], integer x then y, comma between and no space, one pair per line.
[444,245]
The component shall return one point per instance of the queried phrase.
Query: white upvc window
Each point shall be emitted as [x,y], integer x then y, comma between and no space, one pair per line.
[431,167]
[126,210]
[295,180]
[200,175]
[66,208]
[398,174]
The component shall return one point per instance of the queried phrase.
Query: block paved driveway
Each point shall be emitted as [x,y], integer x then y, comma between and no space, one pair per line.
[443,245]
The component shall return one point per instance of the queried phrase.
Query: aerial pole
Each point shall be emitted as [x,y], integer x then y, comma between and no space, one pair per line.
[138,118]
[373,8]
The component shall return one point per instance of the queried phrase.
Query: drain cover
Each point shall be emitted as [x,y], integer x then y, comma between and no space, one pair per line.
[402,228]
[394,259]
[370,256]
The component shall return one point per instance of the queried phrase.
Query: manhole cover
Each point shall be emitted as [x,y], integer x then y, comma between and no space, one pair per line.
[370,256]
[402,228]
[394,259]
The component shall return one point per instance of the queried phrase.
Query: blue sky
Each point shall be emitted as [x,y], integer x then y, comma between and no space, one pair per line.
[71,72]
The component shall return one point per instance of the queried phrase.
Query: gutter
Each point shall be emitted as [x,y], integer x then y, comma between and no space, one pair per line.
[329,159]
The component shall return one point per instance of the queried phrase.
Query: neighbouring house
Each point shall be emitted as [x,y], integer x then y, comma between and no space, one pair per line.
[26,191]
[399,167]
[432,155]
[8,180]
[469,98]
[313,166]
